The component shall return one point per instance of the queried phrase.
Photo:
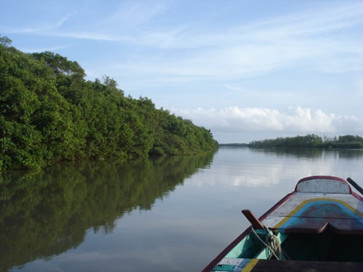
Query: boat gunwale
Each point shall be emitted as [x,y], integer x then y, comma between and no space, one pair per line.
[221,255]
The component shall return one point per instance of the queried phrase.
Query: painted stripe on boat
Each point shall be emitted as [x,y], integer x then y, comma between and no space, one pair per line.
[250,265]
[303,204]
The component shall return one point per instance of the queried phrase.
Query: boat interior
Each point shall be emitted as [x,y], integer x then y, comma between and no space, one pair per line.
[326,246]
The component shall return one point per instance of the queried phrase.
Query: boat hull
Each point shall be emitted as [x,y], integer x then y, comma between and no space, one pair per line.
[310,225]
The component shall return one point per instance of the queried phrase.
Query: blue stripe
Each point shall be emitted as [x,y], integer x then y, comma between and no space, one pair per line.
[344,209]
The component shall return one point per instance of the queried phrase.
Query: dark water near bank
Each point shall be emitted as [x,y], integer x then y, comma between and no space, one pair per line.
[171,214]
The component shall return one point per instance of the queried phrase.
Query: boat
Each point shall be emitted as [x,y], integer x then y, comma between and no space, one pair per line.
[317,227]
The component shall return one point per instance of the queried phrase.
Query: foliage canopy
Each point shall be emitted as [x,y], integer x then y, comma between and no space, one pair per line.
[49,112]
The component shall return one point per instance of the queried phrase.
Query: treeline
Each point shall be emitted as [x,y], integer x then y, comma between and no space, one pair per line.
[50,113]
[311,141]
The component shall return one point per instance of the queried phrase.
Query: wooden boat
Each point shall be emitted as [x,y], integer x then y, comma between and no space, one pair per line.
[317,227]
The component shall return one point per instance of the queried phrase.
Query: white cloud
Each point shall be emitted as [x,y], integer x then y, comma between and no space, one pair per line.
[41,28]
[312,37]
[299,120]
[42,49]
[132,13]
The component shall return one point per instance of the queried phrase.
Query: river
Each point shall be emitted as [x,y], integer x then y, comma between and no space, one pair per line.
[166,214]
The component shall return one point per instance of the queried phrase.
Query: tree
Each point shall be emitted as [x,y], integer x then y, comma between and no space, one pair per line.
[5,41]
[50,113]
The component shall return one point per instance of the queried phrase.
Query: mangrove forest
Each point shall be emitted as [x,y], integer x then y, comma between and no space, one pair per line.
[49,113]
[310,141]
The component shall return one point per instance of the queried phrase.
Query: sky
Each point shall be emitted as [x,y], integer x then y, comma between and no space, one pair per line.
[247,69]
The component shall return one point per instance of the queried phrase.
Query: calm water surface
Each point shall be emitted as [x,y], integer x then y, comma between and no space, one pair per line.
[171,214]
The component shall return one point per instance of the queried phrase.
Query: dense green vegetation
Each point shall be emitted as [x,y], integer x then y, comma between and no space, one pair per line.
[50,113]
[44,213]
[311,141]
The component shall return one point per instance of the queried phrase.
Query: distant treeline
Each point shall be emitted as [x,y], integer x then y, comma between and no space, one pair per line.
[50,113]
[310,141]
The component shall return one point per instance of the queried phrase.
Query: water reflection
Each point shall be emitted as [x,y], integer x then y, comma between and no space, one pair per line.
[259,168]
[46,213]
[188,205]
[311,152]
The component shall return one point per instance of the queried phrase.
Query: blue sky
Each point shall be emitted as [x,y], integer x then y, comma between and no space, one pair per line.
[247,70]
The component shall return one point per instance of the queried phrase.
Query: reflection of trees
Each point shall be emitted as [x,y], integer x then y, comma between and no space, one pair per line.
[350,154]
[311,152]
[293,152]
[47,213]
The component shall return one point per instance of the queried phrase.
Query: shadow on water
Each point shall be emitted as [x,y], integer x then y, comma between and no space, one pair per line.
[46,213]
